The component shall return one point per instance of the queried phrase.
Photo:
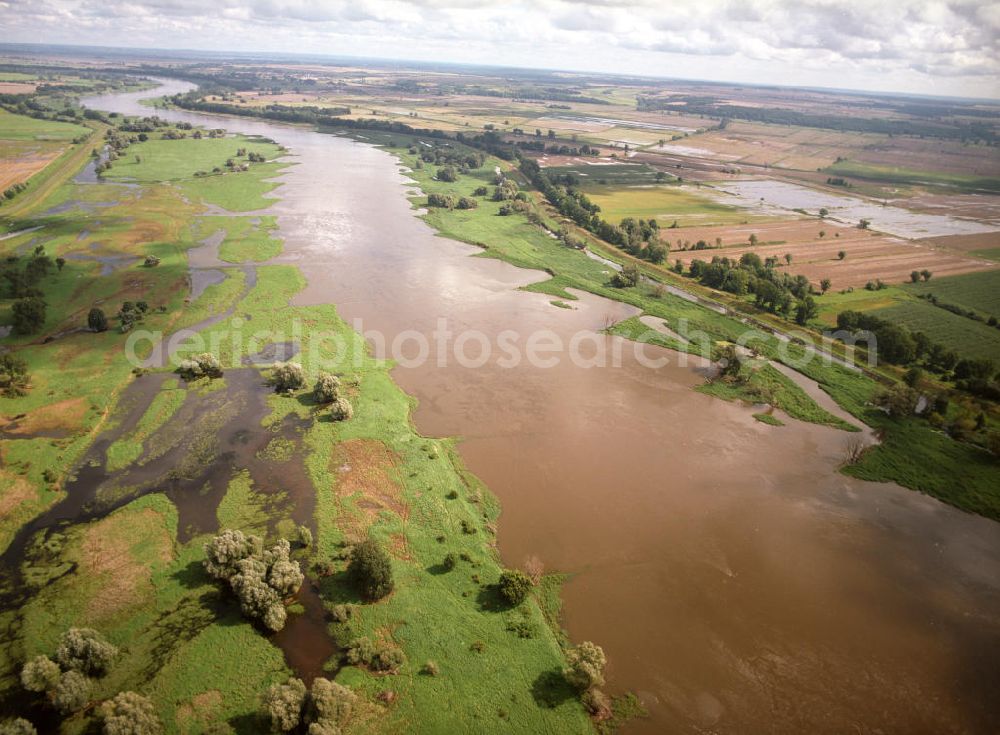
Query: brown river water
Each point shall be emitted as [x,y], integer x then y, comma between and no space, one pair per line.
[736,580]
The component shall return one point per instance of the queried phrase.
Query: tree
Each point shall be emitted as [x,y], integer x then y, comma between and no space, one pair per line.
[40,674]
[60,263]
[841,254]
[585,666]
[448,173]
[72,692]
[898,401]
[224,551]
[514,585]
[29,315]
[19,726]
[914,276]
[129,713]
[97,321]
[825,284]
[204,365]
[14,376]
[327,388]
[85,650]
[926,274]
[626,277]
[371,569]
[864,224]
[288,376]
[330,705]
[788,258]
[806,310]
[823,212]
[284,704]
[913,376]
[753,239]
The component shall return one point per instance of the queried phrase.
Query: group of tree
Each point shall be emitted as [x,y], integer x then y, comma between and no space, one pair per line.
[67,679]
[370,569]
[774,290]
[325,709]
[21,277]
[897,345]
[205,365]
[260,578]
[585,672]
[328,391]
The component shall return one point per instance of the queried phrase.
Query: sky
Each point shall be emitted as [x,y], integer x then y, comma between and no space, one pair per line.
[939,47]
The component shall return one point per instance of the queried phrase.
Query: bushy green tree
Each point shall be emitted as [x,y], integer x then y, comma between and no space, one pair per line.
[72,692]
[40,674]
[85,650]
[129,713]
[284,704]
[514,585]
[585,666]
[204,365]
[330,704]
[13,375]
[28,314]
[20,726]
[341,409]
[371,569]
[327,388]
[97,321]
[224,551]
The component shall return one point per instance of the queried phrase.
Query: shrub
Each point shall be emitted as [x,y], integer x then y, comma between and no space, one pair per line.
[288,376]
[585,666]
[341,409]
[626,277]
[467,203]
[371,569]
[449,562]
[441,201]
[514,585]
[597,703]
[448,173]
[341,613]
[129,713]
[97,321]
[431,668]
[327,388]
[86,651]
[151,261]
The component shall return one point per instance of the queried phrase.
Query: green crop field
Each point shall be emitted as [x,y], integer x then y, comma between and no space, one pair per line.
[665,203]
[969,338]
[907,176]
[978,291]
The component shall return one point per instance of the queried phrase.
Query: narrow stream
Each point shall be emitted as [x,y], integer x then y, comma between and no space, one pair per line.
[737,582]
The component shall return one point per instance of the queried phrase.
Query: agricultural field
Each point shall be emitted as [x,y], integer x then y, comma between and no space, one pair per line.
[867,255]
[28,145]
[977,291]
[970,338]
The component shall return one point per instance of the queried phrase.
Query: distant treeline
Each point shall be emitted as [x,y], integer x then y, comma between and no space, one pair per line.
[311,114]
[951,130]
[524,92]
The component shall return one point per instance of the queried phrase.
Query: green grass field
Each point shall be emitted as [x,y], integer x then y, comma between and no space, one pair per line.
[666,203]
[899,175]
[969,338]
[19,127]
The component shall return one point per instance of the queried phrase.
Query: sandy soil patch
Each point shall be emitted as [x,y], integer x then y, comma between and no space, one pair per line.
[17,87]
[66,414]
[15,491]
[965,243]
[14,171]
[365,472]
[108,552]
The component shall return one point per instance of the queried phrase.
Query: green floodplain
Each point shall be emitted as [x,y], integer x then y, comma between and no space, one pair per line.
[447,649]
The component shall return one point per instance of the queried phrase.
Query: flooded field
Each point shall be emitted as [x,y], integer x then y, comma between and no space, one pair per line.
[736,581]
[780,198]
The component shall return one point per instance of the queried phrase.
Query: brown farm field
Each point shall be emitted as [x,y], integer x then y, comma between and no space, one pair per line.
[20,161]
[869,255]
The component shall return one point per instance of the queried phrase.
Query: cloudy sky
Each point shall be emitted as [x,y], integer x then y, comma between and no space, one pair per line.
[929,46]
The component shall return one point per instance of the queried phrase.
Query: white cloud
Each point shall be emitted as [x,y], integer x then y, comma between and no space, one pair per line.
[942,46]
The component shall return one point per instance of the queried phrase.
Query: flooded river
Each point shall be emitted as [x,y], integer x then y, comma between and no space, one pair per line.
[737,582]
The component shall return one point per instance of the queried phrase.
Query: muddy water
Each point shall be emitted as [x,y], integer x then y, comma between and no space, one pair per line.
[736,581]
